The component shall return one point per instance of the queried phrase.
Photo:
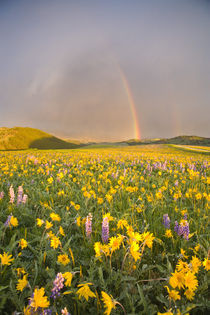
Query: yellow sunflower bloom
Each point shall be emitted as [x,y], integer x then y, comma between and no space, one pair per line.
[68,277]
[84,291]
[6,259]
[190,281]
[108,301]
[22,283]
[39,300]
[63,259]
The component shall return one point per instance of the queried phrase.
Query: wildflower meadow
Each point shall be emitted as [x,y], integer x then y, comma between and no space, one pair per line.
[104,231]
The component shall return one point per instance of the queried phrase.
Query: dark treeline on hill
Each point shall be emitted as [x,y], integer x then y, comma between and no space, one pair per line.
[182,140]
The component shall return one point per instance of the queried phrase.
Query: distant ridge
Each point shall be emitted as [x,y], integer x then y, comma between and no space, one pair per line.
[185,140]
[21,138]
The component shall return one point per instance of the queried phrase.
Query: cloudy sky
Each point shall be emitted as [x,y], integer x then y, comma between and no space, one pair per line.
[62,64]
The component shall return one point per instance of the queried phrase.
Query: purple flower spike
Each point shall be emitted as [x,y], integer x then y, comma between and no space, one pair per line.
[166,221]
[88,225]
[105,230]
[58,285]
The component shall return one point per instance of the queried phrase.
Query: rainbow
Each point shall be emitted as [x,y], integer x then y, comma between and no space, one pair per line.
[137,133]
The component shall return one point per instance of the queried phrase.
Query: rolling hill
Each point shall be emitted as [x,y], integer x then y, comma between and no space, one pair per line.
[21,138]
[180,140]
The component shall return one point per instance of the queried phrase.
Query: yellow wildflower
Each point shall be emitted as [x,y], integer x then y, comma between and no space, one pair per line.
[20,271]
[100,200]
[61,231]
[148,238]
[22,283]
[122,223]
[195,263]
[182,266]
[114,243]
[168,233]
[63,259]
[55,242]
[85,291]
[173,294]
[6,259]
[68,277]
[55,217]
[39,300]
[48,225]
[50,234]
[39,222]
[182,250]
[14,221]
[197,247]
[206,264]
[108,216]
[134,250]
[190,281]
[109,197]
[23,243]
[98,249]
[108,301]
[198,196]
[78,221]
[77,207]
[72,256]
[189,294]
[177,280]
[50,180]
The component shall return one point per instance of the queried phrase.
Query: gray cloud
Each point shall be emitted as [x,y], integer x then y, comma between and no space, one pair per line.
[60,64]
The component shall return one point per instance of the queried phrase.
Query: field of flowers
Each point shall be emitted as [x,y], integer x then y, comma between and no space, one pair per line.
[100,231]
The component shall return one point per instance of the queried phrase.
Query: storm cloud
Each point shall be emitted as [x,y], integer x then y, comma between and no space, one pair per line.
[61,65]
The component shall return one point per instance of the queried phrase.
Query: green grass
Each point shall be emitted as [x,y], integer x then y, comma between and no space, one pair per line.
[21,138]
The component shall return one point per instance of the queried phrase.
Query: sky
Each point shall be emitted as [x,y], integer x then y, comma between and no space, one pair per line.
[100,70]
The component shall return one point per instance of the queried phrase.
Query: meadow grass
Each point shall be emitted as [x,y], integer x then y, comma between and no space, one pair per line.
[104,230]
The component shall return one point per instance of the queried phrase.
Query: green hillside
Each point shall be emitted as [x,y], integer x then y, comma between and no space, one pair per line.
[180,140]
[187,140]
[19,138]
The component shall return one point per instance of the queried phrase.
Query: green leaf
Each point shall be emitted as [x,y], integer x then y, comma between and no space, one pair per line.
[3,287]
[143,299]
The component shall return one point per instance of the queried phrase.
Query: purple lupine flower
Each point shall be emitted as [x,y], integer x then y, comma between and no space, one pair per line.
[8,220]
[105,230]
[58,285]
[185,216]
[182,229]
[65,311]
[20,195]
[186,230]
[88,225]
[1,195]
[166,221]
[176,183]
[25,197]
[12,194]
[124,172]
[176,227]
[48,311]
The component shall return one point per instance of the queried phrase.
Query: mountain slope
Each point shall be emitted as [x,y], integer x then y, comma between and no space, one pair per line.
[24,138]
[185,140]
